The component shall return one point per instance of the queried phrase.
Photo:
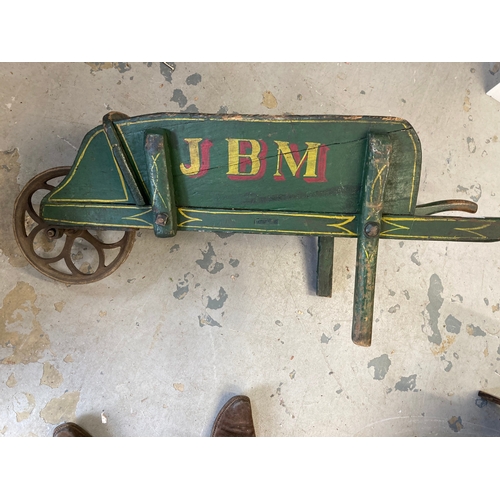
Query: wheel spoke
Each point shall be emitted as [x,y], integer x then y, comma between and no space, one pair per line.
[74,270]
[31,237]
[32,213]
[98,245]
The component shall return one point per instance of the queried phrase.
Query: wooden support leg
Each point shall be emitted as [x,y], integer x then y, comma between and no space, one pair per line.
[161,184]
[372,202]
[325,266]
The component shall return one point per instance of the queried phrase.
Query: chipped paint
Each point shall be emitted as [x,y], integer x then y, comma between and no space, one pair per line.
[174,248]
[495,307]
[17,316]
[11,381]
[192,108]
[51,376]
[179,97]
[406,294]
[234,262]
[206,320]
[181,291]
[268,100]
[58,306]
[435,303]
[406,383]
[455,424]
[336,327]
[178,387]
[68,359]
[380,366]
[292,374]
[209,261]
[9,171]
[481,403]
[23,415]
[122,67]
[166,72]
[193,79]
[62,409]
[325,339]
[414,258]
[183,287]
[452,324]
[474,192]
[223,110]
[471,145]
[224,234]
[218,302]
[475,331]
[278,322]
[444,345]
[394,309]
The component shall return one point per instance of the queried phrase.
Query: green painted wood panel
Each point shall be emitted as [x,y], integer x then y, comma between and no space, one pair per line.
[95,176]
[301,164]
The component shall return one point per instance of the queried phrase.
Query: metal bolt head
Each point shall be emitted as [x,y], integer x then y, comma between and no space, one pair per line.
[372,229]
[161,219]
[51,232]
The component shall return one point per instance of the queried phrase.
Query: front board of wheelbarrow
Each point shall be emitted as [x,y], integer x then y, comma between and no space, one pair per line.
[306,164]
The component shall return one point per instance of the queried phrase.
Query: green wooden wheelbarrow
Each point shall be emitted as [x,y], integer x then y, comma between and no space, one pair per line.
[323,176]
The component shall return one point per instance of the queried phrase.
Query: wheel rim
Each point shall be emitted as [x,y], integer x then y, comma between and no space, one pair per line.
[69,255]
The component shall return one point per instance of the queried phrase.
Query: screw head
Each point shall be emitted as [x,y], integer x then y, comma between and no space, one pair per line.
[161,219]
[372,229]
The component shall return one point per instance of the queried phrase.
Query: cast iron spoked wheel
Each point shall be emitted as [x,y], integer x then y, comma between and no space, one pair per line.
[71,255]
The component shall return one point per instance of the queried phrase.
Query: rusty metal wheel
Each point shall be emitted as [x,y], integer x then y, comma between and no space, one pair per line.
[68,254]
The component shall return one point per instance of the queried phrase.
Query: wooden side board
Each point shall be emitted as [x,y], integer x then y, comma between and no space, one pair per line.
[310,164]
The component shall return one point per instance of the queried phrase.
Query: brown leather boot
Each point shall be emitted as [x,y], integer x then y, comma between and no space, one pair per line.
[69,429]
[234,419]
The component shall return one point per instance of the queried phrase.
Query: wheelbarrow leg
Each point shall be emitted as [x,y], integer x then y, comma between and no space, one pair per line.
[372,202]
[325,266]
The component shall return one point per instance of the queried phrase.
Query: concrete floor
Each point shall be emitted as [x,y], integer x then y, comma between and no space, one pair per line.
[161,363]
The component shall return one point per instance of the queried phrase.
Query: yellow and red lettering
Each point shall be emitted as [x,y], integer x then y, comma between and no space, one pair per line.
[314,159]
[246,159]
[198,167]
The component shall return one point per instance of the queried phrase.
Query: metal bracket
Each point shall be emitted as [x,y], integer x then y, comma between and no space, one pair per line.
[161,183]
[372,204]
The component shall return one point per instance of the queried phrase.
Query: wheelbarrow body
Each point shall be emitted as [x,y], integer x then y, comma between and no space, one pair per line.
[303,165]
[324,176]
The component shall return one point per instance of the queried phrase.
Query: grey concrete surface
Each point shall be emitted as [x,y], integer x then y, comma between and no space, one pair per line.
[159,362]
